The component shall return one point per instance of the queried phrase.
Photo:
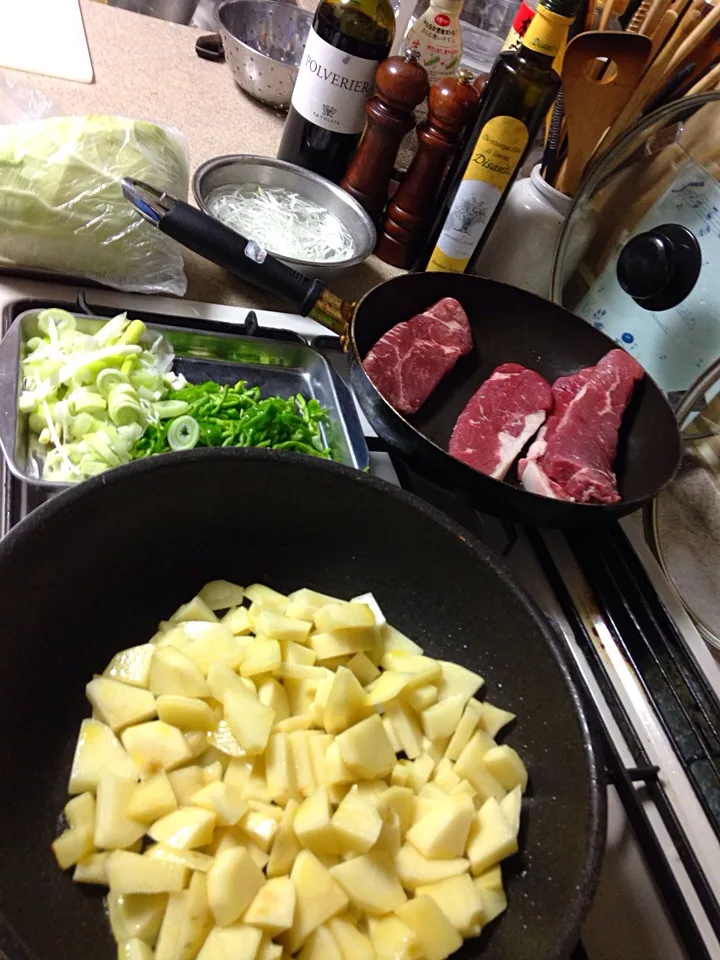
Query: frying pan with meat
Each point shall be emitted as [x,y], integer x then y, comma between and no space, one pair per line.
[94,570]
[508,325]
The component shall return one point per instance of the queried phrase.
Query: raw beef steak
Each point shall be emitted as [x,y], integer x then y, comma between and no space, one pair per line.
[572,458]
[499,419]
[410,360]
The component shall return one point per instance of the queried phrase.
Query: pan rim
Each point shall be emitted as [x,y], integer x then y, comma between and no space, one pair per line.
[591,509]
[586,883]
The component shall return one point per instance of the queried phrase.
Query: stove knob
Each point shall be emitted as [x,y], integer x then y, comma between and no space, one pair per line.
[658,269]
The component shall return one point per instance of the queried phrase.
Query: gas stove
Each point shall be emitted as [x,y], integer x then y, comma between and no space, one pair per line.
[650,681]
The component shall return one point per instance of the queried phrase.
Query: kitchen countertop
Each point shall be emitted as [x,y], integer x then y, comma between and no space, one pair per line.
[147,68]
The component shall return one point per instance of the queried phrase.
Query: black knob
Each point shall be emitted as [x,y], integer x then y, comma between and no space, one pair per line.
[658,269]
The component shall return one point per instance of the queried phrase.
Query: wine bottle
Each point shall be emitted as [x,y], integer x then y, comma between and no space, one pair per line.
[515,100]
[347,42]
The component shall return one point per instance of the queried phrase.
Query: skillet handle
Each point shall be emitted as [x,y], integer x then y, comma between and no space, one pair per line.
[240,256]
[210,47]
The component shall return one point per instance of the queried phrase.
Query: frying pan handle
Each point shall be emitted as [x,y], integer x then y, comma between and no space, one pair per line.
[235,253]
[210,47]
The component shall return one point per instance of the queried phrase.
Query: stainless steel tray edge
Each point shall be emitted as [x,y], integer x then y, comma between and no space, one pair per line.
[252,357]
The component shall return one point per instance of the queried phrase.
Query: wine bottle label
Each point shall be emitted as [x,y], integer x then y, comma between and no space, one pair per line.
[333,87]
[496,156]
[523,19]
[547,33]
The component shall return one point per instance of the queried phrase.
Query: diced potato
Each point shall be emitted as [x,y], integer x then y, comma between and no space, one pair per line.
[187,781]
[80,811]
[269,950]
[282,627]
[460,901]
[430,791]
[363,668]
[170,635]
[420,772]
[232,884]
[187,713]
[293,652]
[388,686]
[279,769]
[304,603]
[221,594]
[239,942]
[97,753]
[300,757]
[196,609]
[437,938]
[214,643]
[471,766]
[172,673]
[441,719]
[192,859]
[92,868]
[458,681]
[371,883]
[249,720]
[273,908]
[366,750]
[414,870]
[293,724]
[136,915]
[319,897]
[131,666]
[156,746]
[511,806]
[407,729]
[420,698]
[260,827]
[272,694]
[222,678]
[353,944]
[134,950]
[493,719]
[400,776]
[346,704]
[399,799]
[356,823]
[321,945]
[443,833]
[394,640]
[263,656]
[72,845]
[256,788]
[118,704]
[392,939]
[114,827]
[505,765]
[187,922]
[417,665]
[492,837]
[285,846]
[465,729]
[185,828]
[223,740]
[237,774]
[490,887]
[133,873]
[267,598]
[345,619]
[318,749]
[238,621]
[222,800]
[313,826]
[152,799]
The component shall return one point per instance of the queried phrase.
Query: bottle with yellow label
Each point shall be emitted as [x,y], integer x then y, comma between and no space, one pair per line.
[514,103]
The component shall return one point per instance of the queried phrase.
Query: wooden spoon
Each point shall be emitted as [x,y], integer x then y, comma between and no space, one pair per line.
[593,102]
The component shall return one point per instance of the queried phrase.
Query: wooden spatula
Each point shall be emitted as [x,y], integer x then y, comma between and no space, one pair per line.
[592,101]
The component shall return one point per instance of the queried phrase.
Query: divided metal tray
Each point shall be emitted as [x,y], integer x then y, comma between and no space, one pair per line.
[278,367]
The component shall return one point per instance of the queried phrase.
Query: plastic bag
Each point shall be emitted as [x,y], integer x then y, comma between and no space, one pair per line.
[62,208]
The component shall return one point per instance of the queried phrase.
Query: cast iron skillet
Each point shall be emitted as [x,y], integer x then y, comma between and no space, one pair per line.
[508,324]
[97,567]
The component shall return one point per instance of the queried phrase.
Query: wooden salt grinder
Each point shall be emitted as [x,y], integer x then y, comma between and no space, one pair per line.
[453,102]
[401,83]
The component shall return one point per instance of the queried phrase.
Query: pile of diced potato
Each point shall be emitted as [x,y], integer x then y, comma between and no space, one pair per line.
[295,778]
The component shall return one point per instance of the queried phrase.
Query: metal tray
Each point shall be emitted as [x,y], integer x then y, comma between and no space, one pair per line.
[278,367]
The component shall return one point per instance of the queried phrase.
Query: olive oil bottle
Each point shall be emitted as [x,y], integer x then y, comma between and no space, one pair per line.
[514,103]
[347,42]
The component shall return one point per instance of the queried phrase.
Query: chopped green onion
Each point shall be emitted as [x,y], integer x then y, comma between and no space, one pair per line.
[108,378]
[167,409]
[183,434]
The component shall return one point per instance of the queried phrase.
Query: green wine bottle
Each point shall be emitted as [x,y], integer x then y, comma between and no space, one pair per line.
[347,42]
[514,103]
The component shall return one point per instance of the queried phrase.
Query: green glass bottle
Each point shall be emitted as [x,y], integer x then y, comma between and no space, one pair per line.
[347,42]
[515,101]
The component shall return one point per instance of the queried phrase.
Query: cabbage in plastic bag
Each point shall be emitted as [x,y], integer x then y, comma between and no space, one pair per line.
[62,208]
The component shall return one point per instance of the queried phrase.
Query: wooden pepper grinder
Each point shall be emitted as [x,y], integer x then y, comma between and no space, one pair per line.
[401,83]
[453,102]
